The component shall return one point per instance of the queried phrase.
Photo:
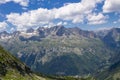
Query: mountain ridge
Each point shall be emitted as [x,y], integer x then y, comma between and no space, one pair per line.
[53,31]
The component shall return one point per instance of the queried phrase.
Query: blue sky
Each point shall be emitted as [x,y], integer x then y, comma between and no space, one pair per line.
[85,14]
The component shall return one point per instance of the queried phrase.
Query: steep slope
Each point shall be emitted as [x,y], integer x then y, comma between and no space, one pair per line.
[112,41]
[112,38]
[59,50]
[111,73]
[12,69]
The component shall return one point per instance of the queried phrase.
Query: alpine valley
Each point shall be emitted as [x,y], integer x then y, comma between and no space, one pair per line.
[67,51]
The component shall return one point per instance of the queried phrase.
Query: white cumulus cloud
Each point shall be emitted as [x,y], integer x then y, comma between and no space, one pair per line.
[32,18]
[97,18]
[21,2]
[74,12]
[3,26]
[111,6]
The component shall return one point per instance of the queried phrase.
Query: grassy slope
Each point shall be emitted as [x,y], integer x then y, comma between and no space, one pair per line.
[12,68]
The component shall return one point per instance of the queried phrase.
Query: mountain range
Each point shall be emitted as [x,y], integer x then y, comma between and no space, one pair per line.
[65,51]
